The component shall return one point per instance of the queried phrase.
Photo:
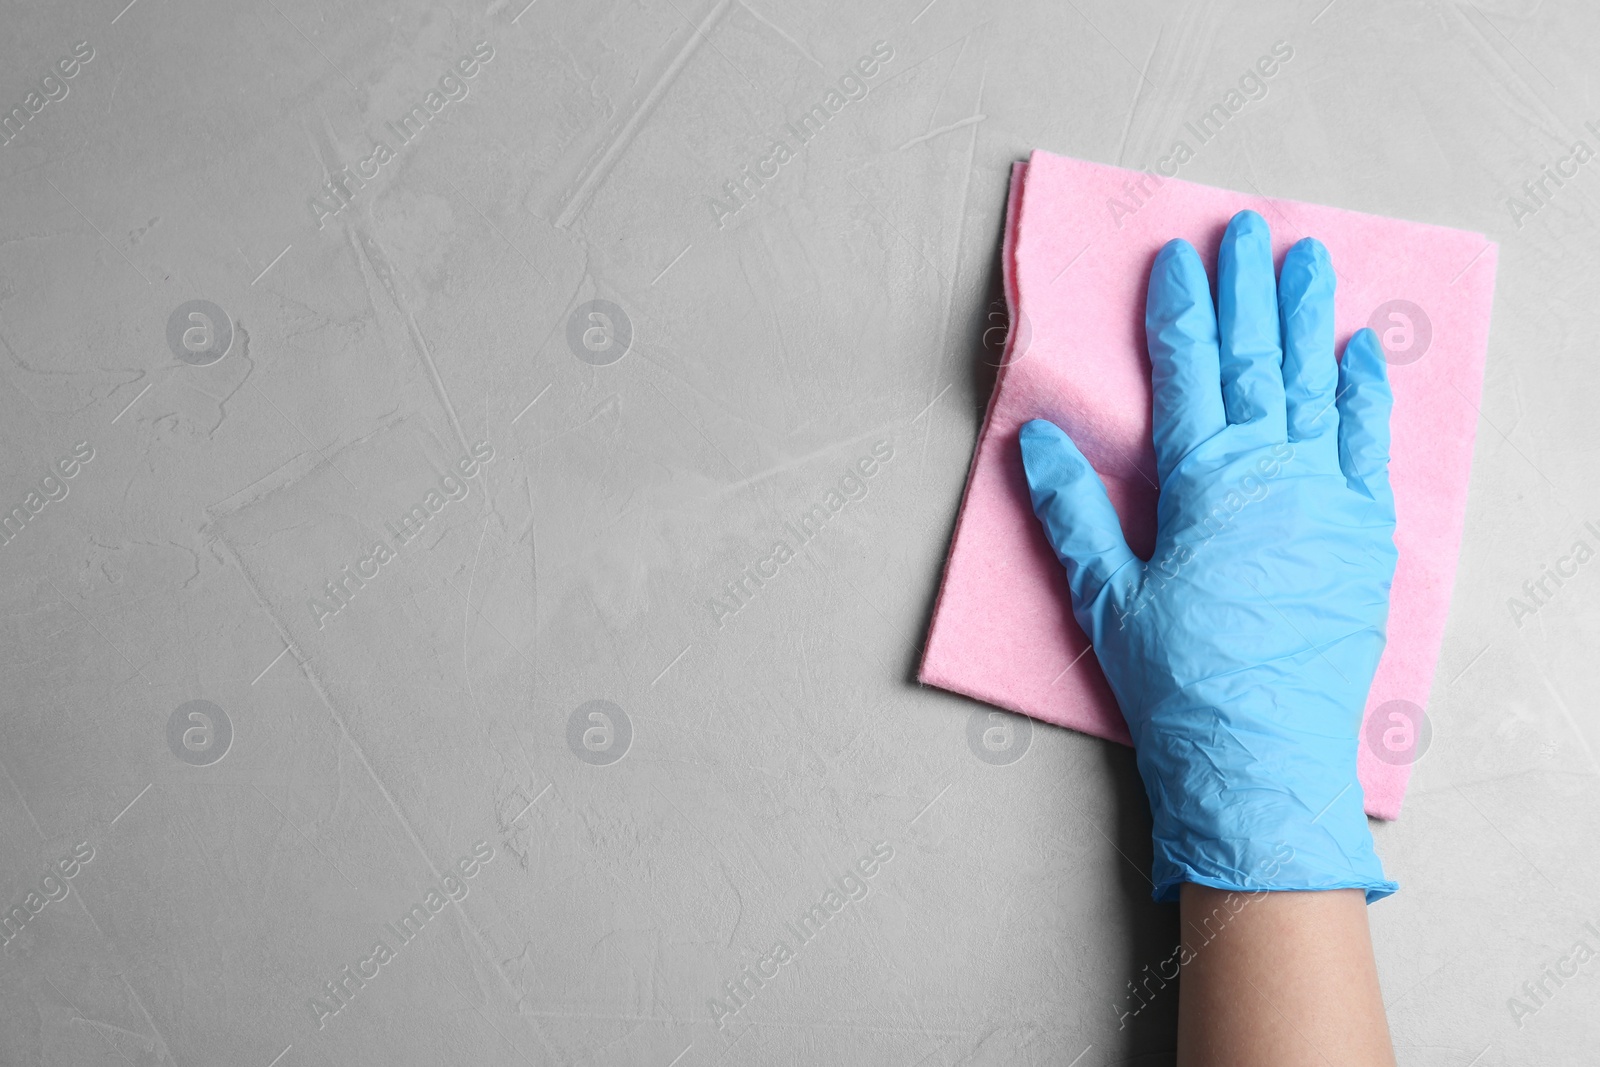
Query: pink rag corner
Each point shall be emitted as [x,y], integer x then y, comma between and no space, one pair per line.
[1079,241]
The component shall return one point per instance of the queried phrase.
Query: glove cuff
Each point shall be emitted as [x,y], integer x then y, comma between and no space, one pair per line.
[1232,823]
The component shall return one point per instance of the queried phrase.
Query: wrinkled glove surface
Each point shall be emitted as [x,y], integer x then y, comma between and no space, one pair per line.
[1241,652]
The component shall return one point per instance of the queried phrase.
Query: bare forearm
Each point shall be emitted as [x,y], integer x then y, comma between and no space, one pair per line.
[1286,979]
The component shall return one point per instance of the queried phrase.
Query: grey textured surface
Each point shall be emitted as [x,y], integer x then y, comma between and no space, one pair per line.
[445,706]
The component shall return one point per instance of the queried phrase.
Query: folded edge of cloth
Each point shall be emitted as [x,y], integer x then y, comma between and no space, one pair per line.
[1079,240]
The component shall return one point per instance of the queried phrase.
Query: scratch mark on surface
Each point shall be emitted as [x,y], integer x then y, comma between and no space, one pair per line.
[950,76]
[325,458]
[1490,23]
[630,129]
[437,379]
[1506,839]
[166,1049]
[1138,94]
[303,836]
[696,427]
[485,1018]
[448,584]
[95,1025]
[890,222]
[96,229]
[97,630]
[927,434]
[604,408]
[968,121]
[371,253]
[23,800]
[308,41]
[1108,41]
[798,47]
[721,859]
[948,297]
[466,616]
[410,831]
[1572,724]
[1505,438]
[496,229]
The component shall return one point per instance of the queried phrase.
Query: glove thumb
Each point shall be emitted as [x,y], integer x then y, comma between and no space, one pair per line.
[1079,521]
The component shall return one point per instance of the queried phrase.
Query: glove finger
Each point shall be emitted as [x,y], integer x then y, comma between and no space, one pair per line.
[1071,503]
[1247,330]
[1364,405]
[1180,325]
[1310,369]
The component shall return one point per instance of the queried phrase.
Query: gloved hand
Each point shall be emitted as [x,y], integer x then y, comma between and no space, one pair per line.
[1241,653]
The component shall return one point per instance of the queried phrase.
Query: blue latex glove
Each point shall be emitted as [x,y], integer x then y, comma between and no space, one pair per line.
[1242,651]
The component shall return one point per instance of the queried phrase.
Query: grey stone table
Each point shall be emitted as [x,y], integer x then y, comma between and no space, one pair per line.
[402,410]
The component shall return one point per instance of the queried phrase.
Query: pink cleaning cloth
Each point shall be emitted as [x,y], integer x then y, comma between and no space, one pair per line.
[1079,241]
